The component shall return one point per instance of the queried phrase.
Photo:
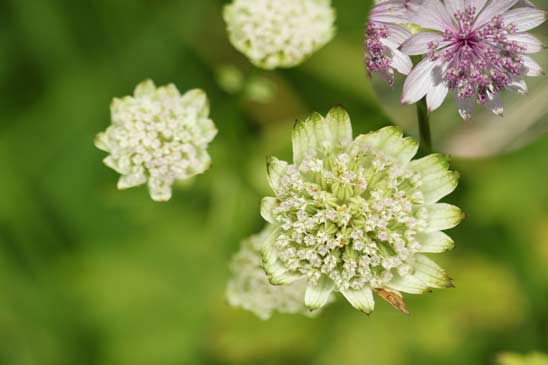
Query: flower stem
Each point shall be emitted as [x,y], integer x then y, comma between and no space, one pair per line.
[424,126]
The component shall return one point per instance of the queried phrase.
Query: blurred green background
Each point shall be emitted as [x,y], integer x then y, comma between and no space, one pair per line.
[91,275]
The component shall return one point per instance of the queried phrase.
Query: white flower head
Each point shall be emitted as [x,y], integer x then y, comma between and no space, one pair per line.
[157,137]
[474,48]
[357,216]
[279,33]
[250,289]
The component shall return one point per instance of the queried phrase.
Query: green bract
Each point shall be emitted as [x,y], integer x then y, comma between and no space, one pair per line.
[279,33]
[158,136]
[357,216]
[249,288]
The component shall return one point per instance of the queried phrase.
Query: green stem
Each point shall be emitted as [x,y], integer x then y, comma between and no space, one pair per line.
[424,126]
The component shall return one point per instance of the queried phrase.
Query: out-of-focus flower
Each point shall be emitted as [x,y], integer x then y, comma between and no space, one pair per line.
[476,48]
[279,33]
[356,216]
[534,358]
[386,31]
[158,136]
[249,288]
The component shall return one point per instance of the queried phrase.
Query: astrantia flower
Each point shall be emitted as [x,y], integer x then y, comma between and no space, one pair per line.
[249,288]
[279,33]
[356,216]
[385,34]
[476,48]
[158,136]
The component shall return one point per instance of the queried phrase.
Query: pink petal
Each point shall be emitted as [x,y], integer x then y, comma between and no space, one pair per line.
[494,8]
[465,107]
[432,14]
[531,43]
[418,44]
[419,82]
[532,67]
[525,18]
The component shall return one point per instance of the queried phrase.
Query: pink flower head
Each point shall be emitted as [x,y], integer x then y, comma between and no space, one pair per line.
[475,48]
[384,36]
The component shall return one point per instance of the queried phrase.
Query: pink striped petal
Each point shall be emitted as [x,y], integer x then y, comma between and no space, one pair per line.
[465,107]
[525,18]
[401,62]
[494,8]
[418,44]
[419,82]
[532,68]
[398,34]
[454,5]
[495,105]
[478,4]
[432,14]
[531,43]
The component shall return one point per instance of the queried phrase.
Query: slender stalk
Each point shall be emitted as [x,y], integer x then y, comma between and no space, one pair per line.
[424,126]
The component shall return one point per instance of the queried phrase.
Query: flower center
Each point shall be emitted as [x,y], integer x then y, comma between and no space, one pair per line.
[480,60]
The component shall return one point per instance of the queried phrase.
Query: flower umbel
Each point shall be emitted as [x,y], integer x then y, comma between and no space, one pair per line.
[249,287]
[158,136]
[384,35]
[475,48]
[356,216]
[279,33]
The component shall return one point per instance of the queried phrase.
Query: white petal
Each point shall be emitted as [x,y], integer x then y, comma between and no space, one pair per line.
[494,8]
[316,296]
[519,86]
[268,204]
[398,34]
[494,104]
[435,242]
[277,273]
[454,5]
[388,140]
[418,44]
[276,169]
[443,216]
[145,88]
[532,67]
[531,43]
[360,299]
[431,273]
[339,125]
[478,4]
[525,18]
[465,107]
[389,12]
[432,14]
[437,180]
[419,82]
[436,96]
[408,284]
[401,62]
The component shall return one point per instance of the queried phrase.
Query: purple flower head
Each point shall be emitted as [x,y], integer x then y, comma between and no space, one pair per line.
[475,48]
[384,35]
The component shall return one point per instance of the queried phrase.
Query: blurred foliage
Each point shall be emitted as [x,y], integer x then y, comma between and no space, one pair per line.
[535,358]
[91,275]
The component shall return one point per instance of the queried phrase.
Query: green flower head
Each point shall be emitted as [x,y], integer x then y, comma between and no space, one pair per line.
[157,137]
[279,33]
[249,288]
[356,216]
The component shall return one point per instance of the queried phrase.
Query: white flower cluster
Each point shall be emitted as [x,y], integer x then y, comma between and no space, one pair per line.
[158,136]
[353,216]
[279,33]
[249,288]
